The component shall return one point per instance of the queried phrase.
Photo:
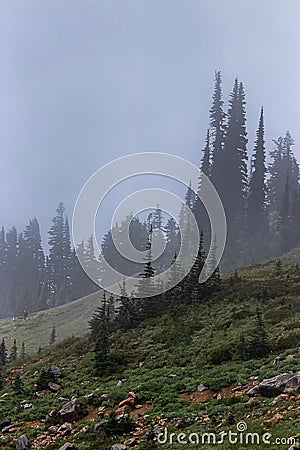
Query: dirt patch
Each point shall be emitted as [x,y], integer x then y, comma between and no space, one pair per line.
[200,397]
[42,360]
[139,412]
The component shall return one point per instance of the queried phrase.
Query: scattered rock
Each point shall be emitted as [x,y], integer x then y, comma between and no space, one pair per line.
[99,432]
[131,442]
[172,375]
[54,387]
[280,384]
[89,398]
[22,443]
[123,411]
[42,393]
[65,429]
[201,388]
[274,419]
[290,357]
[118,447]
[26,405]
[70,411]
[7,429]
[52,430]
[4,423]
[25,374]
[66,446]
[253,391]
[279,399]
[130,400]
[104,396]
[56,371]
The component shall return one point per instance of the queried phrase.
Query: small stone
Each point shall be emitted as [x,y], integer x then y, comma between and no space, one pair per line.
[66,446]
[4,423]
[118,447]
[42,393]
[52,430]
[7,429]
[53,386]
[99,432]
[131,442]
[22,443]
[104,396]
[202,388]
[279,399]
[89,398]
[27,405]
[25,374]
[65,429]
[56,371]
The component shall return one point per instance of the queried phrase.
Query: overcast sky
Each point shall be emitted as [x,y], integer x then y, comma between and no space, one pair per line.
[85,81]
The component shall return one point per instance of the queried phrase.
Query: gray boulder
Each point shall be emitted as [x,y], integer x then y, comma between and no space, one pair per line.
[118,447]
[70,411]
[22,443]
[280,384]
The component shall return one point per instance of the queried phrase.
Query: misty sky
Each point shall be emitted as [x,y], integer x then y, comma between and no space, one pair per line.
[85,81]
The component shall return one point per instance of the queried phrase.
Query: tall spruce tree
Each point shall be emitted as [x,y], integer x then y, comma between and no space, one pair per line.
[283,165]
[100,331]
[235,164]
[59,261]
[217,128]
[257,227]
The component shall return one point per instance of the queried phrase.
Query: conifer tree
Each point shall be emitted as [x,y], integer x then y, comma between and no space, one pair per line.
[284,222]
[100,331]
[217,127]
[52,336]
[146,286]
[3,353]
[259,345]
[59,262]
[283,165]
[256,203]
[191,281]
[236,155]
[14,352]
[23,351]
[206,158]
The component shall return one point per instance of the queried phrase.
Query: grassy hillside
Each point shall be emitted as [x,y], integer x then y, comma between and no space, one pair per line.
[163,361]
[70,319]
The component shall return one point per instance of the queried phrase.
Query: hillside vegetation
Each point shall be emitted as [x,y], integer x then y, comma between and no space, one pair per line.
[162,362]
[70,319]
